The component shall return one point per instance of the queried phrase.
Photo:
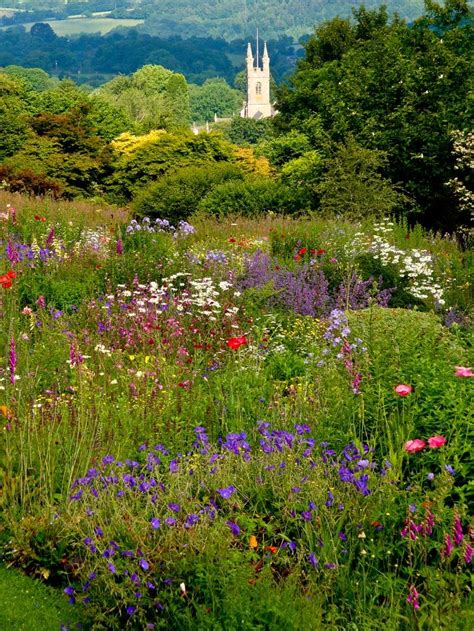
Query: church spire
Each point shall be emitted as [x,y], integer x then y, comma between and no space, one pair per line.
[249,57]
[265,58]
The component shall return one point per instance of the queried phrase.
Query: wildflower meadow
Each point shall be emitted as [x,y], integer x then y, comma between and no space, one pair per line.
[236,423]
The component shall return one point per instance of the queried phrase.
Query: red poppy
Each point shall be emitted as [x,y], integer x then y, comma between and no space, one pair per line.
[236,342]
[39,218]
[232,240]
[313,251]
[320,251]
[6,279]
[302,251]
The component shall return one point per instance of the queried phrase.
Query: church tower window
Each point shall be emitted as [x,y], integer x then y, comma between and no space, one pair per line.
[258,88]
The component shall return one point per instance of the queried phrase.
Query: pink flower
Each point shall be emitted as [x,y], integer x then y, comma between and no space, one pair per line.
[436,441]
[412,446]
[448,547]
[412,597]
[403,389]
[463,371]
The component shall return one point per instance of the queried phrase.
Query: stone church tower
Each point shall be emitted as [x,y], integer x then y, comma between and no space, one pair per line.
[258,103]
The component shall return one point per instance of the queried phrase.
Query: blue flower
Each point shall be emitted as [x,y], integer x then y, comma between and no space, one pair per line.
[450,469]
[155,523]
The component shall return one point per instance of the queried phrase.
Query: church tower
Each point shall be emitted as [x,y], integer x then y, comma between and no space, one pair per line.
[258,103]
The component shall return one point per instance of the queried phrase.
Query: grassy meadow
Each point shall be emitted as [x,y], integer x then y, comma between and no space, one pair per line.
[244,423]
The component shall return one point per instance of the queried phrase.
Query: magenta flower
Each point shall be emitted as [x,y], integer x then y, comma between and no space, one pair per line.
[436,441]
[119,247]
[448,547]
[414,445]
[12,360]
[463,371]
[412,597]
[468,553]
[403,389]
[457,530]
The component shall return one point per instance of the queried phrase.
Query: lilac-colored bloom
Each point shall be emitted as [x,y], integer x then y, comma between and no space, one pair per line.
[155,523]
[170,521]
[450,469]
[143,563]
[174,507]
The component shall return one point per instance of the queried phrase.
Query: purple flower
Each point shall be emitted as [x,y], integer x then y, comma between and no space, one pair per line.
[170,521]
[191,520]
[155,523]
[112,568]
[174,507]
[342,536]
[144,564]
[234,528]
[313,560]
[307,515]
[69,591]
[450,469]
[227,492]
[430,476]
[131,609]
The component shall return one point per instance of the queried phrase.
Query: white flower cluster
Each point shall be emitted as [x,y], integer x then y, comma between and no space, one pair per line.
[415,265]
[178,293]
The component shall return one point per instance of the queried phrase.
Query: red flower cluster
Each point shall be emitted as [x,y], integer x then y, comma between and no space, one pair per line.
[236,342]
[6,279]
[40,218]
[303,251]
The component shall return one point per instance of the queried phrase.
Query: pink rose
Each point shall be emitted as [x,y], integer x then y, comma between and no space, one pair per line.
[463,371]
[403,389]
[412,446]
[436,441]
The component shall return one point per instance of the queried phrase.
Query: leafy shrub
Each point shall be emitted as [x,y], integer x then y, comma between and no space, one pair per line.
[250,198]
[177,195]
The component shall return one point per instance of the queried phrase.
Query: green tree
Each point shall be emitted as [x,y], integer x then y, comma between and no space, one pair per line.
[353,186]
[215,96]
[396,88]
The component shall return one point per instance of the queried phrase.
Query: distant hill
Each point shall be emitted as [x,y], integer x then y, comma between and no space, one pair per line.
[227,19]
[232,19]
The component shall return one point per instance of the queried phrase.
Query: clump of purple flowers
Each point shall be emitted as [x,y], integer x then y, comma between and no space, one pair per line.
[306,290]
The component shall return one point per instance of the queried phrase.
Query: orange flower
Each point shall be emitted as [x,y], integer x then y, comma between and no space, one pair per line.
[272,549]
[6,412]
[253,543]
